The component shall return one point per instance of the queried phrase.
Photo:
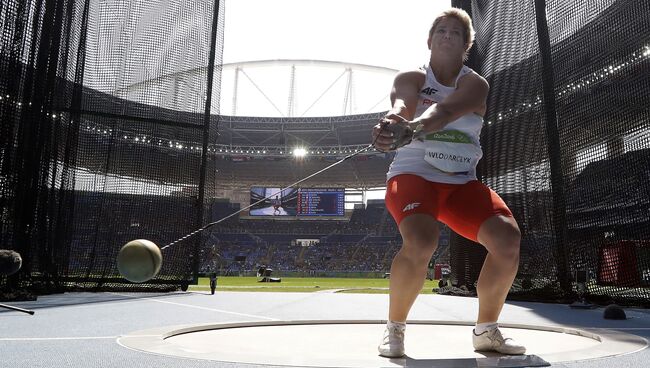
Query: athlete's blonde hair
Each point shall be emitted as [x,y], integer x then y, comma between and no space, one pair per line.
[463,18]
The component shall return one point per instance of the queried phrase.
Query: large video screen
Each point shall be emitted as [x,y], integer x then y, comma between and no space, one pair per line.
[278,202]
[297,201]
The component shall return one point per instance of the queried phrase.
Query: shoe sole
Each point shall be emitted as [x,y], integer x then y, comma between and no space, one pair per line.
[391,356]
[500,352]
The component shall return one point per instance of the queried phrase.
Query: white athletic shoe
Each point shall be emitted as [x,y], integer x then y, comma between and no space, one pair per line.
[492,340]
[392,345]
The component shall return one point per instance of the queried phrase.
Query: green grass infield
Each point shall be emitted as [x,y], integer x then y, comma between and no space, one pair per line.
[305,285]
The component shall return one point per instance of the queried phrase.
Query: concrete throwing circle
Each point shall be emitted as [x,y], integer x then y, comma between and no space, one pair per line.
[354,344]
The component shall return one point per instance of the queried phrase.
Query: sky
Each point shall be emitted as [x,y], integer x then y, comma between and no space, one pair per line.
[387,33]
[390,34]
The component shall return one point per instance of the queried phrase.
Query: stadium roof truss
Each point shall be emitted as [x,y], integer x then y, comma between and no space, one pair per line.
[280,136]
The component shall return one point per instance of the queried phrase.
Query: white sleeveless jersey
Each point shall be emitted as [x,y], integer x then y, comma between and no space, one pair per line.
[460,135]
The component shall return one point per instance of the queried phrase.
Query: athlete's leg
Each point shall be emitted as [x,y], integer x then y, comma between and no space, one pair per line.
[501,237]
[413,203]
[409,268]
[479,214]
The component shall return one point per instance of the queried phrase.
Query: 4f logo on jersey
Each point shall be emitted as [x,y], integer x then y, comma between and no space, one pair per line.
[429,91]
[411,206]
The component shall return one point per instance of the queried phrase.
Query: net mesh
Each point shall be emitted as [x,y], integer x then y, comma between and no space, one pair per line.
[567,144]
[104,121]
[94,151]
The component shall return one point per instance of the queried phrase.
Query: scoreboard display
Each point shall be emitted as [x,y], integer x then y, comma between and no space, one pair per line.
[321,202]
[297,201]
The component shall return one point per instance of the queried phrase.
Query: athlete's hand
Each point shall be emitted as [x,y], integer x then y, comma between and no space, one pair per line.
[392,132]
[382,138]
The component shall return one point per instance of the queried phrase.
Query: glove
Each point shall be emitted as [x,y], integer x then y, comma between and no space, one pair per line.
[419,134]
[403,135]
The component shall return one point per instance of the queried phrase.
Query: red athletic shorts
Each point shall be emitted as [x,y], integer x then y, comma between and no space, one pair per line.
[462,207]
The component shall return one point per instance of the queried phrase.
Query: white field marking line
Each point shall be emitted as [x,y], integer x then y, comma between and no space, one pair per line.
[254,287]
[197,307]
[67,338]
[57,338]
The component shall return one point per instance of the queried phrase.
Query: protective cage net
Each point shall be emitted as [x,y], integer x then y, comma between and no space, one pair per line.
[567,145]
[103,118]
[96,148]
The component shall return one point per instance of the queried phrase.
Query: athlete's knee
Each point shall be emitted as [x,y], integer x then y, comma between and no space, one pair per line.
[503,238]
[420,235]
[509,244]
[416,257]
[419,242]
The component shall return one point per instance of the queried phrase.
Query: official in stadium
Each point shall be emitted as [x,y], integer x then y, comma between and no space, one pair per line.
[434,125]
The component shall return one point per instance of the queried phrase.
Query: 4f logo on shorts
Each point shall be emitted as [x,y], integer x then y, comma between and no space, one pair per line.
[411,206]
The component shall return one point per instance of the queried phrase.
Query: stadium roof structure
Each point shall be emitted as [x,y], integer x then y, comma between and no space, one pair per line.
[270,88]
[303,88]
[249,150]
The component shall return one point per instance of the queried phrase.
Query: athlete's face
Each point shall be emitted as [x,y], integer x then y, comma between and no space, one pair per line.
[448,36]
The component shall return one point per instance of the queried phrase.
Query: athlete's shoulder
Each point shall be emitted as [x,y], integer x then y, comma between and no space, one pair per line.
[473,79]
[416,76]
[411,73]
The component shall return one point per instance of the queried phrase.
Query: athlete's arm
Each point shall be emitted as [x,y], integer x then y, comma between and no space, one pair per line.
[469,97]
[404,94]
[404,98]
